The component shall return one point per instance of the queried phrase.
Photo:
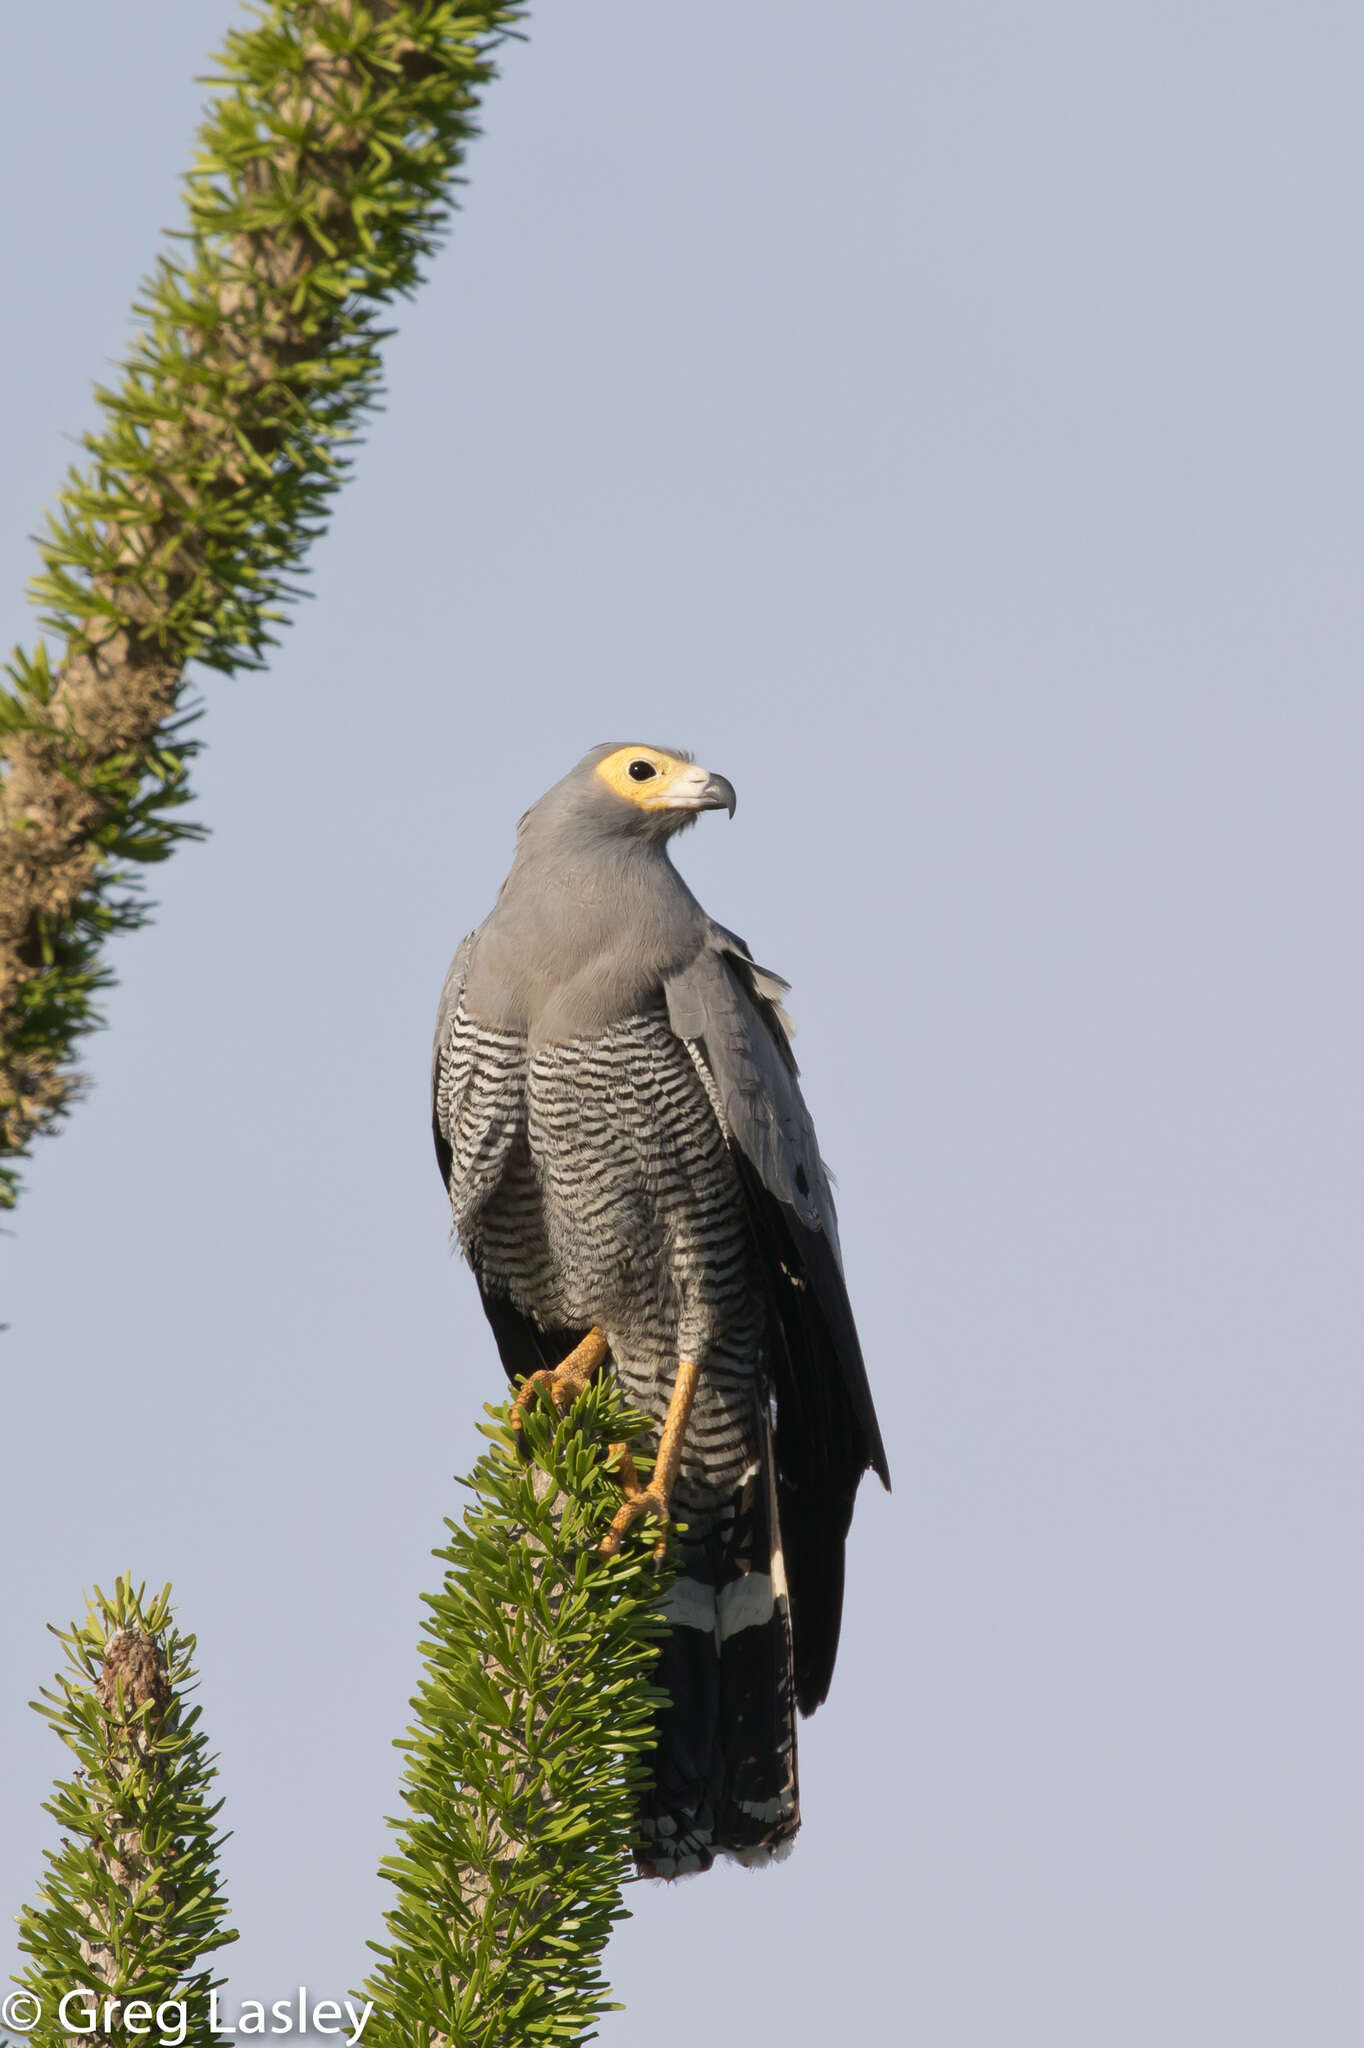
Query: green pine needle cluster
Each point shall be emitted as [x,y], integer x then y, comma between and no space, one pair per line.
[534,1723]
[132,1902]
[323,180]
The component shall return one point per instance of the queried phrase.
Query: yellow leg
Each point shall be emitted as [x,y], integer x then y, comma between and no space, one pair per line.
[654,1498]
[630,1482]
[568,1379]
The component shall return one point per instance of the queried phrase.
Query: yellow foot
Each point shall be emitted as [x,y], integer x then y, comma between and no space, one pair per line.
[568,1379]
[638,1502]
[654,1498]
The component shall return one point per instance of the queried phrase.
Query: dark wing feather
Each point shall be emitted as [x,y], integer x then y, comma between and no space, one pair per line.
[827,1434]
[522,1347]
[451,992]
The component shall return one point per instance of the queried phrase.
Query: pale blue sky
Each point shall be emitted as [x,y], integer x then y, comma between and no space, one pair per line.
[945,420]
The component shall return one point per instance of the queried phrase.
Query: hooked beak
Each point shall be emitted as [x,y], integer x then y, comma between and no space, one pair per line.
[718,795]
[696,789]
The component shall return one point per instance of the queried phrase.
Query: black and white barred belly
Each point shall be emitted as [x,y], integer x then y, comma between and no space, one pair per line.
[592,1183]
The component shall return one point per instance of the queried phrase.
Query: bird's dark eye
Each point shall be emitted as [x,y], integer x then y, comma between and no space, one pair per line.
[641,771]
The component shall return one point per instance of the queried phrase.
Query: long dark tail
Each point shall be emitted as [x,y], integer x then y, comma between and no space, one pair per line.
[725,1766]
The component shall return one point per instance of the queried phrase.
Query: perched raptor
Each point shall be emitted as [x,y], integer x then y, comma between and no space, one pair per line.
[634,1176]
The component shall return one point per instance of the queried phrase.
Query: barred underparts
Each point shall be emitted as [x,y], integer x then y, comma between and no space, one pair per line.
[592,1184]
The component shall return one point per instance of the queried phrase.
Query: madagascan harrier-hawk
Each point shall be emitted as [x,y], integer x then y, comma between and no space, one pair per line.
[634,1177]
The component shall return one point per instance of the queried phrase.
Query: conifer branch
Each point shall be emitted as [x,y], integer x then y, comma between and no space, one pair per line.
[132,1901]
[534,1723]
[323,180]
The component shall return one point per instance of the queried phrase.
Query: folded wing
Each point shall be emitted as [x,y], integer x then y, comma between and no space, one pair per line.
[827,1436]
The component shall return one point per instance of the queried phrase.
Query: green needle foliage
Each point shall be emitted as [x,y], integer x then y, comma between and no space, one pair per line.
[323,180]
[534,1722]
[132,1902]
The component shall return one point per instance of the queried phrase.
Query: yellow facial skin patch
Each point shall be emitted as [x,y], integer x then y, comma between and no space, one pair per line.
[653,784]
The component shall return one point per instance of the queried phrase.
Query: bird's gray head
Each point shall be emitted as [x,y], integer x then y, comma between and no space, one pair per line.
[631,791]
